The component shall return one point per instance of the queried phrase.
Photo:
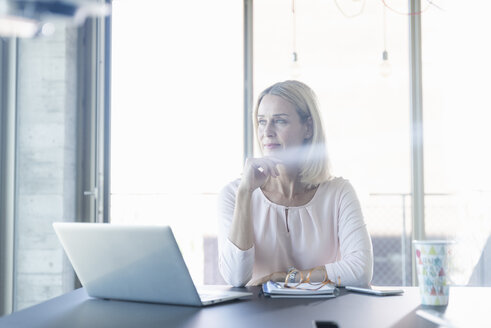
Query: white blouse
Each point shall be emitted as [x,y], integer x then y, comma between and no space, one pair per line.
[329,230]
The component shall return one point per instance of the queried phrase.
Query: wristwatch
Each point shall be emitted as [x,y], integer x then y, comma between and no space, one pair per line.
[292,274]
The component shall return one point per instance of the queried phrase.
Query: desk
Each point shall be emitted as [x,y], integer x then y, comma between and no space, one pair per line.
[76,309]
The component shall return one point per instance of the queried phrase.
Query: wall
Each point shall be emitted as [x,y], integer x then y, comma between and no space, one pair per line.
[46,158]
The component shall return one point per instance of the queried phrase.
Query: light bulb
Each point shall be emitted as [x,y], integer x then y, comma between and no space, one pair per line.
[295,69]
[385,67]
[47,29]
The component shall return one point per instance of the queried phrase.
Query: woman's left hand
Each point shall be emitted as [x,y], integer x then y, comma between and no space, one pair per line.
[275,276]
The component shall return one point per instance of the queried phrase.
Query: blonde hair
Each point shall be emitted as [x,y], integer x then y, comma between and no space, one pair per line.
[315,168]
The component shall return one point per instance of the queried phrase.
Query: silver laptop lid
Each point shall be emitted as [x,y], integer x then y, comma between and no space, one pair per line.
[128,262]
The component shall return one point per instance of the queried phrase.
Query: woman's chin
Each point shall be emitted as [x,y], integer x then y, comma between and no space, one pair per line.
[287,156]
[273,151]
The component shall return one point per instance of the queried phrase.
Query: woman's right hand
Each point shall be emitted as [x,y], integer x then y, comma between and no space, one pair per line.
[257,170]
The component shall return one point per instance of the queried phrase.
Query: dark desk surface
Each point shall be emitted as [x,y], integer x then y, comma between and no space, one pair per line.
[76,309]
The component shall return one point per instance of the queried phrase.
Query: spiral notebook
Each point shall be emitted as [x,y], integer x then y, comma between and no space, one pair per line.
[278,290]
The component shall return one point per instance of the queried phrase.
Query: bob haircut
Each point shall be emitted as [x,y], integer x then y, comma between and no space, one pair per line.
[315,168]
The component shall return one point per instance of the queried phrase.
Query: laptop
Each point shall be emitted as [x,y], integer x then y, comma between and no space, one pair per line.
[133,263]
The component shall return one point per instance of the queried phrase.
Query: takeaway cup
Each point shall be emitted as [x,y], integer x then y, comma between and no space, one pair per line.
[432,263]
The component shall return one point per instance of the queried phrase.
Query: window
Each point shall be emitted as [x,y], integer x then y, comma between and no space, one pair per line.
[456,84]
[365,111]
[177,104]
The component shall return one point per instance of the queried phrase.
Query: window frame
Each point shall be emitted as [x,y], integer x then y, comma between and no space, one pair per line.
[8,64]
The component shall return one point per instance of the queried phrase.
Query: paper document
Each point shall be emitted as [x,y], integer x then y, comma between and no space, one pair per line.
[277,289]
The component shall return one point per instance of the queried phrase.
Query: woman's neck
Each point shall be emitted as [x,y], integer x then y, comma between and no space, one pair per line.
[287,184]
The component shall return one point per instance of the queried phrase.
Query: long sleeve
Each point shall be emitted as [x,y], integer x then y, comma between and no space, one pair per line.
[234,264]
[329,230]
[356,264]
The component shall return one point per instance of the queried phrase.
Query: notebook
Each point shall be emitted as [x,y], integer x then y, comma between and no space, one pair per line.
[133,263]
[305,290]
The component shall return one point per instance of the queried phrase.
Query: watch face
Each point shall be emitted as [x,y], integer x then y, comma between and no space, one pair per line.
[292,275]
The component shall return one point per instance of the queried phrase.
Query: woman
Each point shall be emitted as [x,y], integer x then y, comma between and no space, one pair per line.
[287,211]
